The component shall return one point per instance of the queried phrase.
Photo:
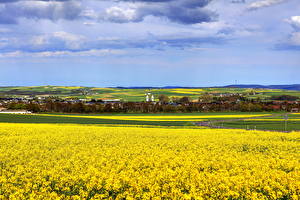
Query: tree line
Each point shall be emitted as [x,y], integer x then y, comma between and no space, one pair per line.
[153,107]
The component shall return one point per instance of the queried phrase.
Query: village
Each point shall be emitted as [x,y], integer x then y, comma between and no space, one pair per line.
[152,103]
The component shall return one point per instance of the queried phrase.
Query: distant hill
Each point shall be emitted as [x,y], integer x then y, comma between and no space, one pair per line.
[280,87]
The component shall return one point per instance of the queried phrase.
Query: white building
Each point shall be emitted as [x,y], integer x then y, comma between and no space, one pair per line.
[149,97]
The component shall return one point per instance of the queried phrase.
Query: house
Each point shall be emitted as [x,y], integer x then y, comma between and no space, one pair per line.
[276,107]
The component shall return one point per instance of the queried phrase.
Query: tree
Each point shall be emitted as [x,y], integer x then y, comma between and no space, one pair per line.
[163,98]
[16,106]
[184,100]
[175,99]
[285,98]
[33,107]
[206,98]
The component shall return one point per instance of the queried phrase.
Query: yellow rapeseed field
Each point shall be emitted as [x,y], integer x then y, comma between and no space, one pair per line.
[43,161]
[186,91]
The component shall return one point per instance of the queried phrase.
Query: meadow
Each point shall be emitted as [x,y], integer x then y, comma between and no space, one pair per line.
[75,161]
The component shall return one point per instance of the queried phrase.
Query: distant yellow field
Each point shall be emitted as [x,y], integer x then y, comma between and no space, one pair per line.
[161,118]
[41,161]
[101,89]
[186,91]
[67,87]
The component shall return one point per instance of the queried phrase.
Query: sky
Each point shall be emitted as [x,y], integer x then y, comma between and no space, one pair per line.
[149,42]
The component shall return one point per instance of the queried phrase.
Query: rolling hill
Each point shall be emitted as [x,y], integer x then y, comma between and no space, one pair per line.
[138,93]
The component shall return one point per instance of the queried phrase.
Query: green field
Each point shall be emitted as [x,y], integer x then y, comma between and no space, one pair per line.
[132,94]
[259,121]
[263,125]
[276,123]
[38,119]
[178,119]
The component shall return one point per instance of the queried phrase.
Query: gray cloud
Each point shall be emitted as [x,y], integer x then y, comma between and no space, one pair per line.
[63,41]
[53,10]
[180,11]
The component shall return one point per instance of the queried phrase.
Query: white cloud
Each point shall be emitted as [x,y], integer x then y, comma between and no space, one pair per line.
[54,40]
[12,54]
[264,3]
[89,23]
[89,53]
[294,21]
[120,15]
[89,14]
[71,41]
[293,40]
[67,36]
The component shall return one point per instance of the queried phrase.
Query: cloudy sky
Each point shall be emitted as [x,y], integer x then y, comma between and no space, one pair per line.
[149,42]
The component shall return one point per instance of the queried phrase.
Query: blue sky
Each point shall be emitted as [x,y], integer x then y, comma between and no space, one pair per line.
[149,42]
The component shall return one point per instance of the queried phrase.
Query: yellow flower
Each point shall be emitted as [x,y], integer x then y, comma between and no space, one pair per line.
[53,161]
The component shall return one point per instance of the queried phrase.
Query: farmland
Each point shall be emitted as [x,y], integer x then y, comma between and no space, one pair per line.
[148,156]
[242,120]
[68,161]
[133,94]
[175,119]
